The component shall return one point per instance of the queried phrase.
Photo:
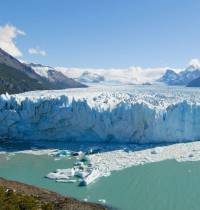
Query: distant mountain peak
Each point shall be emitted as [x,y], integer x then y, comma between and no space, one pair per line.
[192,68]
[182,78]
[58,79]
[89,77]
[169,76]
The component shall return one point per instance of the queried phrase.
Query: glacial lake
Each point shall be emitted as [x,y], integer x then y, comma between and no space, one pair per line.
[166,185]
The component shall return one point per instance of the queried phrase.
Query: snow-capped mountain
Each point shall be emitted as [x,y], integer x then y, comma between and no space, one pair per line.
[15,77]
[169,77]
[58,79]
[12,62]
[89,77]
[195,82]
[182,78]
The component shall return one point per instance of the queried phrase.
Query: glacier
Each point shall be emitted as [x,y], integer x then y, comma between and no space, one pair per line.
[125,114]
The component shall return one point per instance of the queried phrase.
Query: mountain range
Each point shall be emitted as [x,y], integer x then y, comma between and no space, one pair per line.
[17,77]
[88,77]
[135,75]
[56,78]
[187,77]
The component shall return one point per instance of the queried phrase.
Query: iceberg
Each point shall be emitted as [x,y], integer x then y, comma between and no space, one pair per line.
[62,153]
[66,181]
[81,173]
[128,114]
[61,174]
[90,178]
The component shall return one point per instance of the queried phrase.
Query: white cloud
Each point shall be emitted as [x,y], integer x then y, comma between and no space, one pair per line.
[132,75]
[8,33]
[37,51]
[195,62]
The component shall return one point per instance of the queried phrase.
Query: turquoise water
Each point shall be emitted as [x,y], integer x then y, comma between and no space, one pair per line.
[166,185]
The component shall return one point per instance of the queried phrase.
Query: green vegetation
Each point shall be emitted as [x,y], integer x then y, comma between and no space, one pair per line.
[20,196]
[10,200]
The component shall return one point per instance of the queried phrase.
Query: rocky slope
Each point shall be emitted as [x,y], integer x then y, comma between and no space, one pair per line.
[15,81]
[8,60]
[56,78]
[20,196]
[16,77]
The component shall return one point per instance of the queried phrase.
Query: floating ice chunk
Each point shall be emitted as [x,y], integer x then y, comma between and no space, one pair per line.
[61,174]
[66,181]
[86,158]
[153,152]
[68,172]
[38,151]
[79,163]
[94,150]
[63,153]
[107,174]
[126,149]
[54,175]
[56,159]
[102,200]
[90,178]
[81,174]
[77,153]
[190,155]
[157,150]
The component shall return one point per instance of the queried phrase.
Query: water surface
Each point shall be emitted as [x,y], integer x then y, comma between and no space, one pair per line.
[166,185]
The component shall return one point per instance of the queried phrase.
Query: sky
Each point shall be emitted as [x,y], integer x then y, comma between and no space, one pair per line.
[102,33]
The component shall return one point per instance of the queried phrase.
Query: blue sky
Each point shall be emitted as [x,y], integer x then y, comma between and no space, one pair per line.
[105,33]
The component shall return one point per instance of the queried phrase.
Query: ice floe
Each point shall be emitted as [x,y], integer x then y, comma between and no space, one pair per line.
[112,158]
[105,162]
[61,174]
[115,160]
[102,201]
[109,158]
[91,177]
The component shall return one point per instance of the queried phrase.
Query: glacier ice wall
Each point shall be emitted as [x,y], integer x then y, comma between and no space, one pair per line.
[112,116]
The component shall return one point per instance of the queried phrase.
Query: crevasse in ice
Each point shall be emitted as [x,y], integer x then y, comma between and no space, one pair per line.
[130,114]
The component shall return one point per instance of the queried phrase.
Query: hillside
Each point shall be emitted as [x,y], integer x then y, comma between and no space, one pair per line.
[16,77]
[56,78]
[14,81]
[12,62]
[20,196]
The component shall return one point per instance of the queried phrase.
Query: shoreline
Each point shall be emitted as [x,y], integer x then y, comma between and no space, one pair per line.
[45,196]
